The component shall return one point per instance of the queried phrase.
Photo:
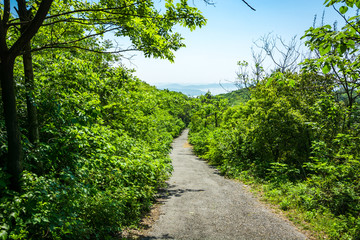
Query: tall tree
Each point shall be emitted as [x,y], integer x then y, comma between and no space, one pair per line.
[139,20]
[32,119]
[338,51]
[8,55]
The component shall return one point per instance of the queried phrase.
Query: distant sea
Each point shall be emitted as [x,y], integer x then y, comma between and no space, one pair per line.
[199,89]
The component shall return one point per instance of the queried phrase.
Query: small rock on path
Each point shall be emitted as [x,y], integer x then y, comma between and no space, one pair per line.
[204,205]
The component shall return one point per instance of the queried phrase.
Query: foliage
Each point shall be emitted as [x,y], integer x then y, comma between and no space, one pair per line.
[72,24]
[293,136]
[338,51]
[104,134]
[236,97]
[298,135]
[54,24]
[105,137]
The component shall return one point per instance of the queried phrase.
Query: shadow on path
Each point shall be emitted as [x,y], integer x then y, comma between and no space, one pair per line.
[165,236]
[172,190]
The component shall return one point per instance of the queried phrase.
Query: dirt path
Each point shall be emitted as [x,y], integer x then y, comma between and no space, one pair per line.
[203,205]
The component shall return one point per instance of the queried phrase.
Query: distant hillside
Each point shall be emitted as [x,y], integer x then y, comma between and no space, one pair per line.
[236,97]
[199,89]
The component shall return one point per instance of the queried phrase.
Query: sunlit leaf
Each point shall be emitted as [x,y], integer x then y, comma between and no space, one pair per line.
[326,68]
[325,50]
[343,9]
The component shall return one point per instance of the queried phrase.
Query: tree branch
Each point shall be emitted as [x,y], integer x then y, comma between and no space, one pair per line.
[89,10]
[32,29]
[6,15]
[64,44]
[89,36]
[88,21]
[83,48]
[249,5]
[3,27]
[343,16]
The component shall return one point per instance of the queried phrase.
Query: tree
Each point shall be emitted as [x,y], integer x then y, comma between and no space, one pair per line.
[25,16]
[139,20]
[246,79]
[8,55]
[285,56]
[338,52]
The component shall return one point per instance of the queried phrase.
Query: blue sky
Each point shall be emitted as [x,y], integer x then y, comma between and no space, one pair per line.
[213,51]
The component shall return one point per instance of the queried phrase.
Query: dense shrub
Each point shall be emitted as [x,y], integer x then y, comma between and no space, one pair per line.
[103,151]
[294,137]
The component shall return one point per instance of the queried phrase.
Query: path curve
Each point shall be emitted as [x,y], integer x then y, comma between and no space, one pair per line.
[201,204]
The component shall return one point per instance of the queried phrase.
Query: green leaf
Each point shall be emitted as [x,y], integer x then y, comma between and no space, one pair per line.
[269,81]
[3,235]
[291,82]
[326,68]
[343,9]
[325,50]
[343,48]
[357,3]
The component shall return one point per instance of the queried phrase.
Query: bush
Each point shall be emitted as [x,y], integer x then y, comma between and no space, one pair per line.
[103,152]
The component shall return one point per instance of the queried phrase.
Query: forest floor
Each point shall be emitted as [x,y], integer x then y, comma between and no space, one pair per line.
[201,204]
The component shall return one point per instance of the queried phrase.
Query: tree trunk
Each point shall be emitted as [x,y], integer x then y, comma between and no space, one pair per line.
[32,118]
[33,131]
[15,154]
[7,56]
[216,120]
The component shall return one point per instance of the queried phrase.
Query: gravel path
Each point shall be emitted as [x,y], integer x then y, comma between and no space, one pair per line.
[204,205]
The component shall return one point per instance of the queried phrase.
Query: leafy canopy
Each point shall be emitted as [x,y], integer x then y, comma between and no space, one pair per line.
[69,24]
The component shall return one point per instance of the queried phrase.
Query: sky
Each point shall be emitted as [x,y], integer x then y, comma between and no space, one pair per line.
[212,52]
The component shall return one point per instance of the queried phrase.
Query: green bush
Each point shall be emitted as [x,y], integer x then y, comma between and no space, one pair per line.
[103,151]
[297,139]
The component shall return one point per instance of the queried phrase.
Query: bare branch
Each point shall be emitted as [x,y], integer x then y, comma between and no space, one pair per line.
[224,87]
[284,56]
[208,2]
[249,5]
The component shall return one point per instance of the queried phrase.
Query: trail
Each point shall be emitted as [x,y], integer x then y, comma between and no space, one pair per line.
[201,204]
